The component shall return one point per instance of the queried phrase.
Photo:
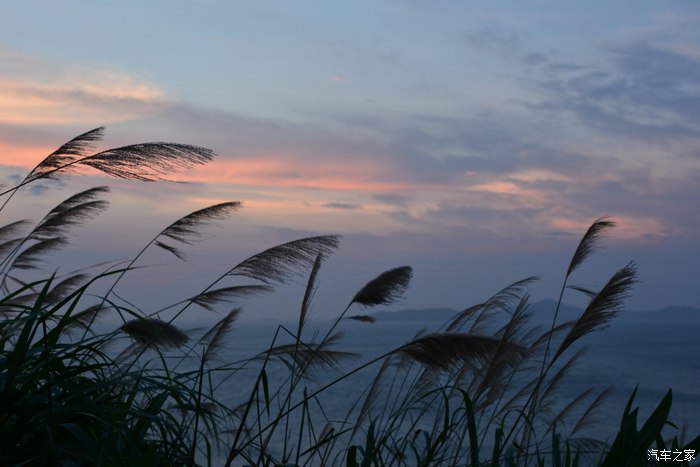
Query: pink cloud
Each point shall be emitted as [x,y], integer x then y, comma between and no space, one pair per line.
[23,156]
[363,176]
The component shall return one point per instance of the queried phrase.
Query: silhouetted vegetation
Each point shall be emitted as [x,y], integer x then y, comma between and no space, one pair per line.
[481,390]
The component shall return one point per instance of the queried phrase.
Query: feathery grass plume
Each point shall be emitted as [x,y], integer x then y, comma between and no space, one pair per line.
[147,162]
[66,287]
[50,233]
[603,307]
[303,357]
[372,393]
[566,412]
[59,160]
[184,230]
[501,300]
[32,255]
[587,245]
[441,351]
[71,212]
[152,332]
[68,153]
[214,338]
[550,389]
[188,228]
[175,251]
[515,327]
[10,246]
[83,319]
[209,299]
[550,334]
[495,378]
[363,318]
[276,264]
[588,416]
[386,288]
[13,227]
[308,294]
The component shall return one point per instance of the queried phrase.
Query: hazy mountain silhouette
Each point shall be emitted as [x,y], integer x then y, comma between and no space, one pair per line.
[543,310]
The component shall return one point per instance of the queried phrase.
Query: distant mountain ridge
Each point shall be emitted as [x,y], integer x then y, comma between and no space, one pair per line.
[544,309]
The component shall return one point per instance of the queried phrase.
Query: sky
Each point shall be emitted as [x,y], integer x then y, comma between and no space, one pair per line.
[473,141]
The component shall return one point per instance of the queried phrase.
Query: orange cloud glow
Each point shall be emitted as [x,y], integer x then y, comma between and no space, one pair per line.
[92,96]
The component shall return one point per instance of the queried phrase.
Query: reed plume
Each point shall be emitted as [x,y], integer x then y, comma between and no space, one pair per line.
[588,243]
[30,257]
[209,299]
[84,318]
[144,162]
[588,416]
[363,318]
[301,357]
[385,288]
[11,229]
[51,233]
[501,300]
[63,157]
[441,351]
[65,287]
[603,307]
[215,337]
[372,393]
[147,162]
[278,263]
[152,332]
[187,229]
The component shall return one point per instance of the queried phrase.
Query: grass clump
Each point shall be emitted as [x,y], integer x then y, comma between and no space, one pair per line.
[483,389]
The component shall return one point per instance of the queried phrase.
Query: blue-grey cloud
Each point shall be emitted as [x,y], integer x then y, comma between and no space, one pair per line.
[535,58]
[648,92]
[493,37]
[348,206]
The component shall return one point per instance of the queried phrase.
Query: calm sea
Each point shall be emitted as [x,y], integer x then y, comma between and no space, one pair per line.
[631,353]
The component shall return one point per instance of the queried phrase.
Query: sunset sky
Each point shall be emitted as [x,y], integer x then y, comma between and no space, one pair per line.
[475,141]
